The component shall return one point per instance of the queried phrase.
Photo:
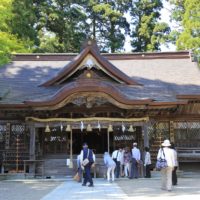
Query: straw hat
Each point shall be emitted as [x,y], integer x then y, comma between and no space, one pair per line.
[166,143]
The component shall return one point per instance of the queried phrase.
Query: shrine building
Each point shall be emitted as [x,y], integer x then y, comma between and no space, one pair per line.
[51,103]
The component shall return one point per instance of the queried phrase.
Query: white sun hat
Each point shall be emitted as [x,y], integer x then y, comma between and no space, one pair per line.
[166,143]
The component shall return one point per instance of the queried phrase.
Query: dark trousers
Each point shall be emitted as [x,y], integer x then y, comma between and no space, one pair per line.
[117,169]
[88,177]
[174,176]
[134,169]
[148,171]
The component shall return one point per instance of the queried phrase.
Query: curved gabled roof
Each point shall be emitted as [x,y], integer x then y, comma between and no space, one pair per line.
[92,87]
[90,49]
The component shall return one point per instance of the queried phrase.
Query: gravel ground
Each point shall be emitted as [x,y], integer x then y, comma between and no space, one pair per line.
[26,189]
[142,188]
[135,189]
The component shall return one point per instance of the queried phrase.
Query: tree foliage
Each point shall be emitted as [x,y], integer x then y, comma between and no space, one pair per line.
[186,13]
[24,20]
[9,43]
[107,23]
[147,33]
[63,22]
[62,25]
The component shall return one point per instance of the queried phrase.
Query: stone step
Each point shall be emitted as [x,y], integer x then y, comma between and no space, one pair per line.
[55,165]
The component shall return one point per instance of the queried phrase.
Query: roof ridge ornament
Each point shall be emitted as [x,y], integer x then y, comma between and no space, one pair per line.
[91,43]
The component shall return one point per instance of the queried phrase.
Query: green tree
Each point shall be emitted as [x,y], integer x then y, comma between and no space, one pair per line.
[9,43]
[61,23]
[186,15]
[147,33]
[24,21]
[107,23]
[190,37]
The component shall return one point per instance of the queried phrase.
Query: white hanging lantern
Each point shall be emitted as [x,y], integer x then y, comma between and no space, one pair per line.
[131,129]
[110,128]
[68,128]
[89,128]
[47,129]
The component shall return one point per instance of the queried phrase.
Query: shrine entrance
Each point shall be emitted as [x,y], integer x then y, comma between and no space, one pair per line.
[96,139]
[58,142]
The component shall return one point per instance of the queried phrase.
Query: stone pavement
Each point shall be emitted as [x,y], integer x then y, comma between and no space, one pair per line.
[101,190]
[122,189]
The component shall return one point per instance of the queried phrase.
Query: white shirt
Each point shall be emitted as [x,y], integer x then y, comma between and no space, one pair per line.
[169,156]
[118,155]
[136,153]
[147,159]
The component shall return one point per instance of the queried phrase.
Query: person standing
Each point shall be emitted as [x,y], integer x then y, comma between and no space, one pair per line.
[116,156]
[147,162]
[135,161]
[110,164]
[166,173]
[87,153]
[127,160]
[174,175]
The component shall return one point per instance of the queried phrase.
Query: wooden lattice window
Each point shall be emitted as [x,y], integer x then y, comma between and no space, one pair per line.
[2,132]
[163,129]
[2,136]
[17,129]
[158,129]
[187,134]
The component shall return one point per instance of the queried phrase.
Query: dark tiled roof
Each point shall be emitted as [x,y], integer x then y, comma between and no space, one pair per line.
[162,79]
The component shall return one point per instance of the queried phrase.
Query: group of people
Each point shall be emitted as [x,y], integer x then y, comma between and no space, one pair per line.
[123,162]
[126,162]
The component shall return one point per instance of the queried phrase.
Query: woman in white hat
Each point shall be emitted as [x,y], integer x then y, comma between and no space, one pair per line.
[165,152]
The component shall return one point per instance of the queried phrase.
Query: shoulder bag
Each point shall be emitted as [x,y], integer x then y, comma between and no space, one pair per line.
[161,162]
[86,160]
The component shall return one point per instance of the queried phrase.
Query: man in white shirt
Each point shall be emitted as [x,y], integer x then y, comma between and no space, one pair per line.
[135,161]
[117,157]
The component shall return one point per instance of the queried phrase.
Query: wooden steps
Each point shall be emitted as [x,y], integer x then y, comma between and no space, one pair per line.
[55,165]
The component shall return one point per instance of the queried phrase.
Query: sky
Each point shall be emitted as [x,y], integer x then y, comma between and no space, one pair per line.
[165,17]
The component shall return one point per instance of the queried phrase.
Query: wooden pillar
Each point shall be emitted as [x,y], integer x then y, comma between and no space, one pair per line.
[71,150]
[171,131]
[146,136]
[32,148]
[108,138]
